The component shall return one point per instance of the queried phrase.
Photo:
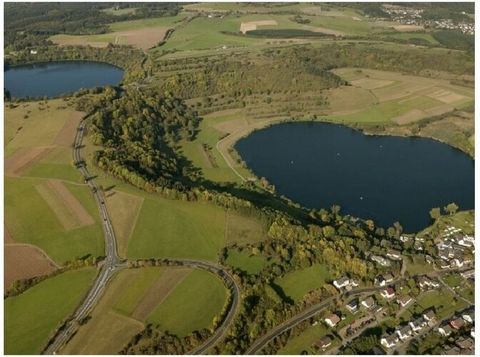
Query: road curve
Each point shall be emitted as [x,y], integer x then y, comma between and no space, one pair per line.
[235,295]
[113,264]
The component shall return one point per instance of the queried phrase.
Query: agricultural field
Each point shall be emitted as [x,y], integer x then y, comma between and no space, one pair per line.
[298,283]
[31,317]
[143,34]
[159,295]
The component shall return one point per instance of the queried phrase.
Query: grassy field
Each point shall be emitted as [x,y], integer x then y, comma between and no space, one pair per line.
[177,229]
[33,221]
[306,340]
[144,33]
[297,283]
[243,260]
[418,265]
[192,305]
[179,299]
[31,317]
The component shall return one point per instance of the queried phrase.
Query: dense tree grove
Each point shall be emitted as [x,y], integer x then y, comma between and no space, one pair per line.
[137,131]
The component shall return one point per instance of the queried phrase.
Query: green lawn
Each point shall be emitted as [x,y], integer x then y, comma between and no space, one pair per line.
[296,284]
[32,221]
[193,305]
[31,317]
[139,281]
[304,341]
[442,301]
[252,264]
[177,229]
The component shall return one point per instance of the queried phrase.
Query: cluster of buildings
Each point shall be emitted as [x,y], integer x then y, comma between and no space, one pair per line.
[408,330]
[455,249]
[463,324]
[387,259]
[411,16]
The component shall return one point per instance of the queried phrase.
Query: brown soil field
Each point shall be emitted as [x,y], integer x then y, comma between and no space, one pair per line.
[23,261]
[325,31]
[230,126]
[408,28]
[124,209]
[22,159]
[64,204]
[142,38]
[159,291]
[445,96]
[67,134]
[441,109]
[370,83]
[410,117]
[252,25]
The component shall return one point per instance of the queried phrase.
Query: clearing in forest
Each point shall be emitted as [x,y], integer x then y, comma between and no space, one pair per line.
[67,208]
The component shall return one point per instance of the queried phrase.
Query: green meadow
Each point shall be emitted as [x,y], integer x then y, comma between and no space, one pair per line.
[31,317]
[299,282]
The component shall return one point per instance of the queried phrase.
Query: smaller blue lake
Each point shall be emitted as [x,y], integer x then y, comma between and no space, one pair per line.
[53,79]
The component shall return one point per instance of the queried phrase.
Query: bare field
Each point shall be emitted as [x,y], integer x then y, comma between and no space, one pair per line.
[124,209]
[143,38]
[24,158]
[410,117]
[64,204]
[23,261]
[159,291]
[252,25]
[408,28]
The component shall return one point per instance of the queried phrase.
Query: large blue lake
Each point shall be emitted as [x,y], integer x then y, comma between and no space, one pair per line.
[56,78]
[384,178]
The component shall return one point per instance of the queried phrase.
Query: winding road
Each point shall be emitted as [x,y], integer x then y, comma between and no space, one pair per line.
[112,264]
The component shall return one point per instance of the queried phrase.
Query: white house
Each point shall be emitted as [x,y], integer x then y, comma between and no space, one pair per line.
[388,293]
[417,324]
[389,341]
[368,302]
[332,320]
[341,283]
[404,332]
[445,330]
[404,300]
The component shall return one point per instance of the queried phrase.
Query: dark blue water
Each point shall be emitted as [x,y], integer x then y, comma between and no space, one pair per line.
[384,178]
[56,78]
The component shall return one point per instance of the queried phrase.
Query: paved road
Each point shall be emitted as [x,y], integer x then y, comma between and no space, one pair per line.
[113,264]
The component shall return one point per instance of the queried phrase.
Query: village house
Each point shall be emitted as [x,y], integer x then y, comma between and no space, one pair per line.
[369,302]
[323,343]
[404,238]
[467,273]
[352,306]
[426,282]
[380,260]
[466,344]
[341,283]
[469,316]
[457,323]
[429,315]
[417,324]
[383,280]
[445,330]
[404,300]
[389,341]
[332,320]
[388,293]
[394,254]
[404,332]
[472,332]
